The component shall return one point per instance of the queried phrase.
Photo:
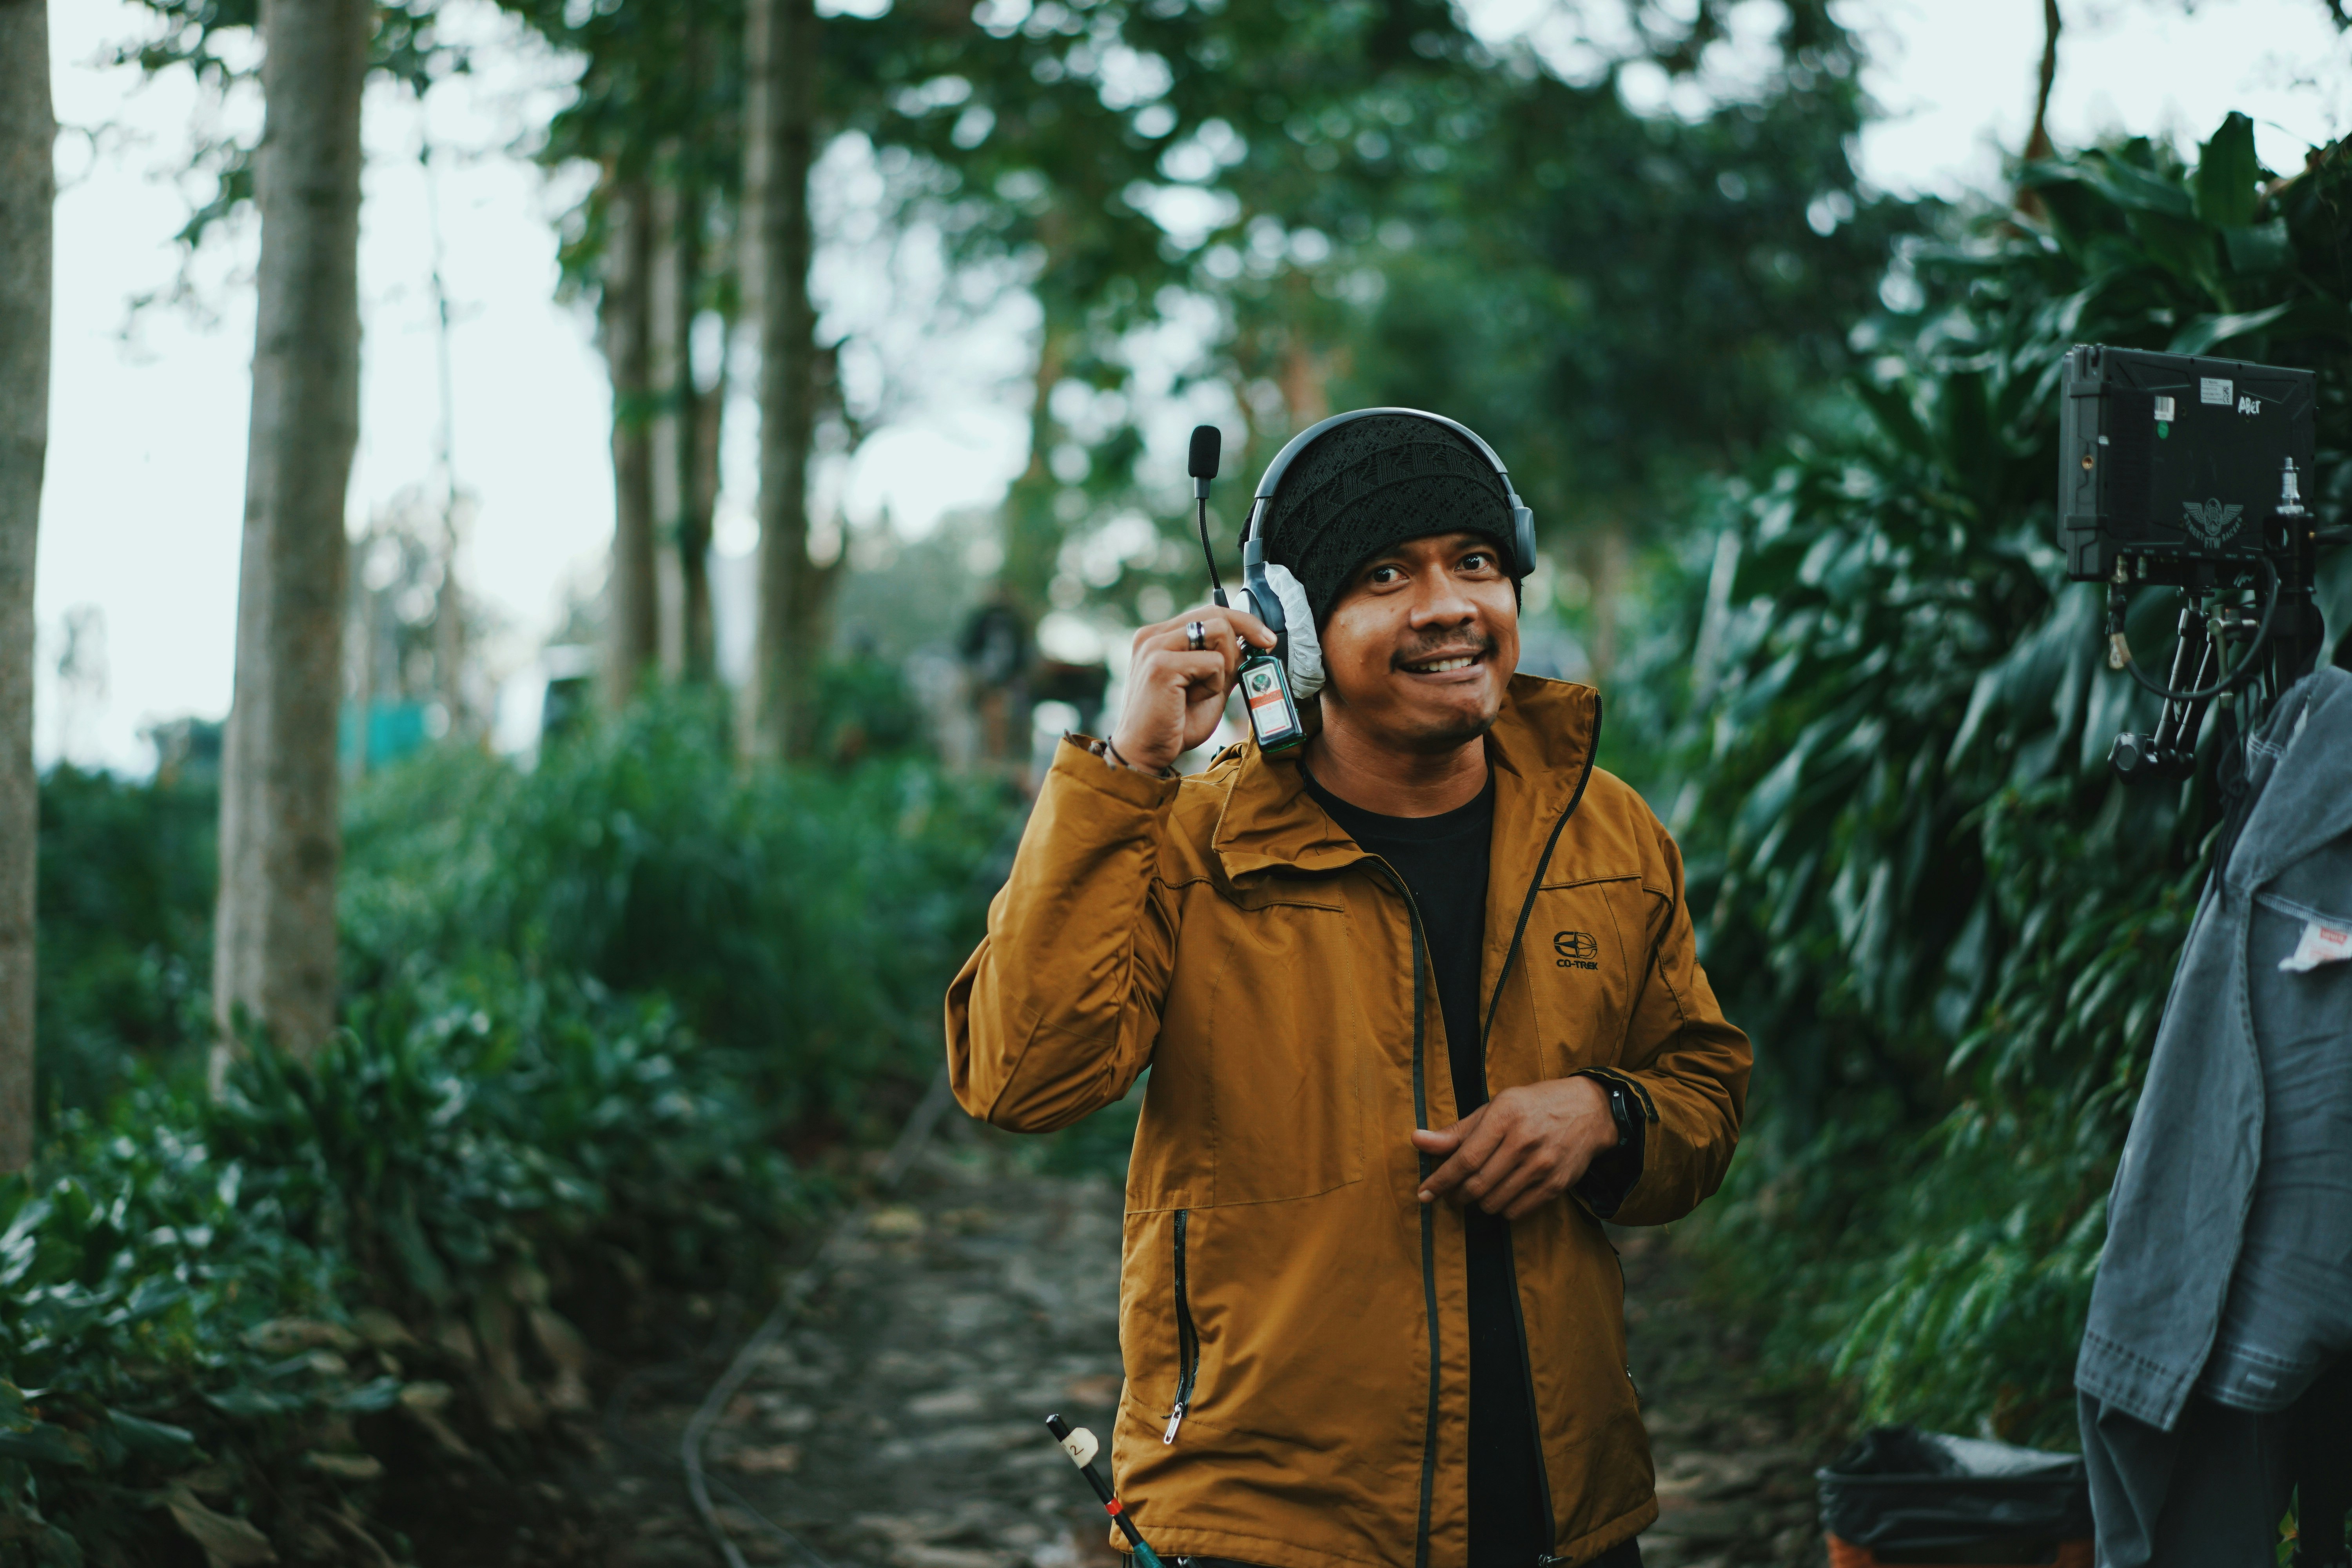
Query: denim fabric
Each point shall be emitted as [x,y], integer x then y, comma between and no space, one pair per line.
[2206,1494]
[2194,1190]
[2289,1309]
[2209,1493]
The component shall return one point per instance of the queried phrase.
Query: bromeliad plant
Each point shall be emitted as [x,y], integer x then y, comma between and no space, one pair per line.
[1949,927]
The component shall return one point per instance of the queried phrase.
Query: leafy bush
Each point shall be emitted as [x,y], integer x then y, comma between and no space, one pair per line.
[1947,924]
[126,910]
[588,1007]
[373,1259]
[808,919]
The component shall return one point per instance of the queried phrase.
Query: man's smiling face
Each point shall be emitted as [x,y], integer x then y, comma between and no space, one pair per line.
[1420,643]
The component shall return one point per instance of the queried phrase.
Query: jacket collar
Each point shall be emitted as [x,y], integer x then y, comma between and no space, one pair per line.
[1541,750]
[2300,801]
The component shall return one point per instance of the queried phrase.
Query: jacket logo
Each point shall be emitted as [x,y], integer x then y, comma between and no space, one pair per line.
[2212,522]
[1576,950]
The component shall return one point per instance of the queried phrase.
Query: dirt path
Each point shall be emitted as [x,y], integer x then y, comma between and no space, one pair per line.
[898,1424]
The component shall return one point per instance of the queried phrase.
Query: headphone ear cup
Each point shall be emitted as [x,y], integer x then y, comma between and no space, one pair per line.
[1303,652]
[1523,522]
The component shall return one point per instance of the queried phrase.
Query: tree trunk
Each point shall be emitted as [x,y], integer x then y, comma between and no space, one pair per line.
[2037,141]
[666,314]
[1306,383]
[700,631]
[274,938]
[632,634]
[367,630]
[1606,569]
[449,596]
[1032,529]
[685,432]
[780,141]
[27,194]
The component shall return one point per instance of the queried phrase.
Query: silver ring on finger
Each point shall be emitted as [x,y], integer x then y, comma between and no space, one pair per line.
[1196,636]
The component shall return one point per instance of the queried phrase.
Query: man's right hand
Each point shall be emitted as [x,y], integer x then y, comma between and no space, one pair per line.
[1174,694]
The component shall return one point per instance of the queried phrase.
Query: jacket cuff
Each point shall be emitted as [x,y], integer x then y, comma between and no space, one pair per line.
[1079,760]
[1612,1176]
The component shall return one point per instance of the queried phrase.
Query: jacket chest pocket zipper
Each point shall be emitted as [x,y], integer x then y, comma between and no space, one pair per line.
[1188,1339]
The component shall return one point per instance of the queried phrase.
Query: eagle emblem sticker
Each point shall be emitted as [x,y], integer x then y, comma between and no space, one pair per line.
[1576,950]
[2212,522]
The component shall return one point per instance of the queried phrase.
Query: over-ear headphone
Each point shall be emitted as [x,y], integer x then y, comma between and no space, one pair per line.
[1263,598]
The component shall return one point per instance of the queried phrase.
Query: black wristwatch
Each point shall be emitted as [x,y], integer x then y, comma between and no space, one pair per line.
[1621,1110]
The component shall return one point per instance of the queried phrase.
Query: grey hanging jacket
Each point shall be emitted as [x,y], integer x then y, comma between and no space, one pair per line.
[2228,1268]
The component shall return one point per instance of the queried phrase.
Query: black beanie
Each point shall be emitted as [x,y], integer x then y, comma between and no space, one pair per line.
[1370,485]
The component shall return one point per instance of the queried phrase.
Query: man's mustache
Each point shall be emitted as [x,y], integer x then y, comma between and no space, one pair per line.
[1450,645]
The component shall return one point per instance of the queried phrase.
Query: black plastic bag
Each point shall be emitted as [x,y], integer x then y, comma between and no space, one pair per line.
[1911,1491]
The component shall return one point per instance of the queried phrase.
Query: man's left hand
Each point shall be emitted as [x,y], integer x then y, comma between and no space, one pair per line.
[1521,1149]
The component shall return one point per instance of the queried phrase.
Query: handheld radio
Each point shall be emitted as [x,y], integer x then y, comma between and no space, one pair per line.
[1264,678]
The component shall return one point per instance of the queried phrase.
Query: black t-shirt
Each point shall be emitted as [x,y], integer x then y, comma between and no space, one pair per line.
[1442,860]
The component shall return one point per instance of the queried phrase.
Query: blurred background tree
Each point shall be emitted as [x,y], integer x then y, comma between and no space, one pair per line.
[27,193]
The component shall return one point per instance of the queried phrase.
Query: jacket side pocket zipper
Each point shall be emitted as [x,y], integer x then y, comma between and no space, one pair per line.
[1188,1340]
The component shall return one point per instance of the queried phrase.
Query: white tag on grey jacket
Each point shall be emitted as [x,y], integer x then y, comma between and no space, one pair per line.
[2321,943]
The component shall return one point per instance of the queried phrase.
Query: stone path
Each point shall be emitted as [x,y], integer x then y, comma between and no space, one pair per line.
[898,1424]
[1735,1458]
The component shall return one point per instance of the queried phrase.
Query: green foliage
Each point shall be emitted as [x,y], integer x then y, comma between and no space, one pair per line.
[1367,204]
[808,920]
[406,45]
[1622,302]
[125,900]
[376,1257]
[589,1007]
[1948,927]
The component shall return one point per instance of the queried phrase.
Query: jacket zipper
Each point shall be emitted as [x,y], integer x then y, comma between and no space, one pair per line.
[1510,1253]
[1188,1340]
[1429,1219]
[1428,1224]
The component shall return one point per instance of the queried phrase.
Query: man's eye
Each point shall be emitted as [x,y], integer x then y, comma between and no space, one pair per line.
[1477,562]
[1383,574]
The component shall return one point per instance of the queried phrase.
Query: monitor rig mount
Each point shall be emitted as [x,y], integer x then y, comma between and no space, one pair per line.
[2192,473]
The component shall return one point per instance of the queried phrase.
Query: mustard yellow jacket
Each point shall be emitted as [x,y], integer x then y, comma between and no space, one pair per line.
[1279,1278]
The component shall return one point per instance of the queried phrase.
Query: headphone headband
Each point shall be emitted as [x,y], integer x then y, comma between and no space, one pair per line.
[1296,444]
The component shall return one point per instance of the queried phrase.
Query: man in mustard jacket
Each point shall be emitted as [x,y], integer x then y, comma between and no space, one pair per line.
[1422,1008]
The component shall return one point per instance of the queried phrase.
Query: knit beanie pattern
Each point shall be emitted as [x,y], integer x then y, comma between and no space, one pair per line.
[1367,485]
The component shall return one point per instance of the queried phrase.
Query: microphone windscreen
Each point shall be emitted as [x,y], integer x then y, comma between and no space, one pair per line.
[1201,463]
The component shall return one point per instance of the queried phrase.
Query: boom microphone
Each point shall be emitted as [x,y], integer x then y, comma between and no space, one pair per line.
[1201,462]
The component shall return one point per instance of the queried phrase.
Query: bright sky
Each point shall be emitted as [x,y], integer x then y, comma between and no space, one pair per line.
[145,493]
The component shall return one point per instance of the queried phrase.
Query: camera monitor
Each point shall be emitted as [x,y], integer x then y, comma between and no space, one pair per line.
[2176,464]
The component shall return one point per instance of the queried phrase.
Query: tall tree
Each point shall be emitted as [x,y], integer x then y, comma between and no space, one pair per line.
[658,103]
[448,595]
[274,941]
[684,421]
[632,611]
[780,143]
[27,194]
